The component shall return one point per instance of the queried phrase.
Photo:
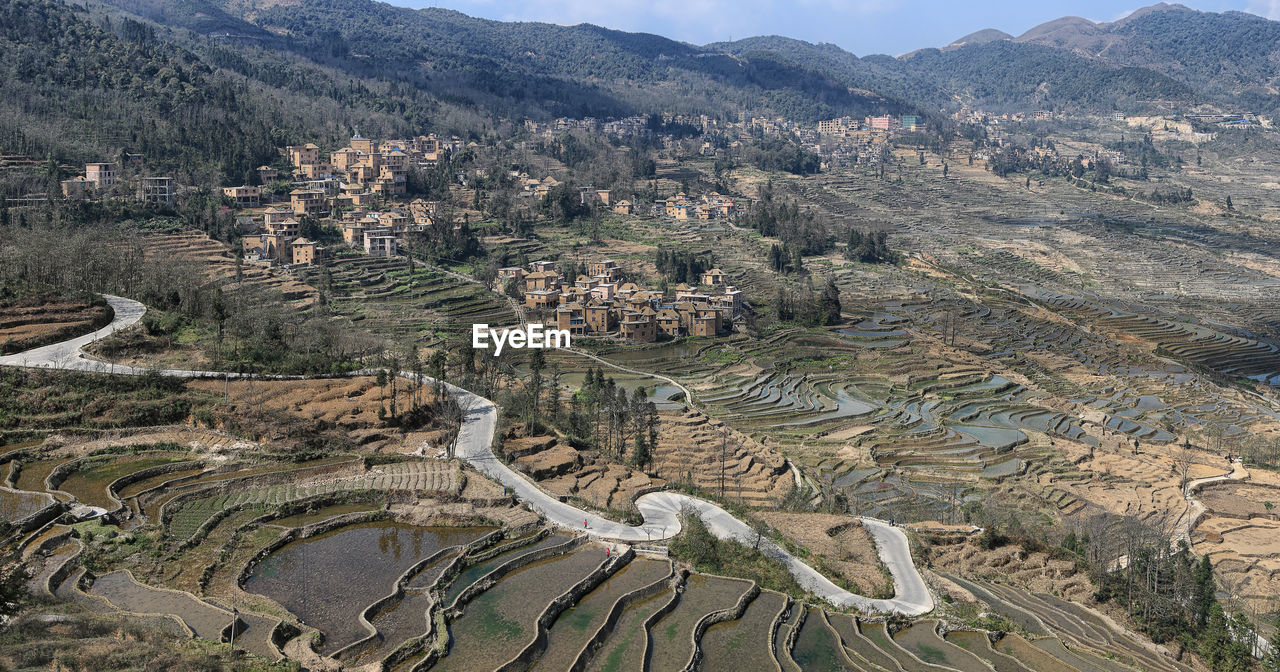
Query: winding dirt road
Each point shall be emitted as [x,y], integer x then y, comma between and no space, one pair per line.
[660,510]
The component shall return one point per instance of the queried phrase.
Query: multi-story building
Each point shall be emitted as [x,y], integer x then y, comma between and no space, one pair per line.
[714,277]
[882,123]
[308,202]
[100,176]
[607,269]
[380,243]
[156,190]
[640,327]
[244,196]
[300,155]
[542,299]
[304,252]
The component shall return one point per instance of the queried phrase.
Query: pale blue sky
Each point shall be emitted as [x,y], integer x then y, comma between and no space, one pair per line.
[860,26]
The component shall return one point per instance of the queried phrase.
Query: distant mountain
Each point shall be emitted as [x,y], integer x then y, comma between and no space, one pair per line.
[997,74]
[524,69]
[980,37]
[1156,55]
[211,87]
[1232,58]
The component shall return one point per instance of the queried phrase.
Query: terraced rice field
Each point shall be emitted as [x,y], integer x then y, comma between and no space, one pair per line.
[427,476]
[135,488]
[921,640]
[979,645]
[321,513]
[326,581]
[402,619]
[782,636]
[507,553]
[858,646]
[38,583]
[151,502]
[725,645]
[817,646]
[382,296]
[624,649]
[575,626]
[209,552]
[89,485]
[34,473]
[123,592]
[670,639]
[16,505]
[498,623]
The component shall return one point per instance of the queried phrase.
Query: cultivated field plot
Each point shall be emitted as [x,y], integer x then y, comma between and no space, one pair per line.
[218,263]
[34,321]
[384,297]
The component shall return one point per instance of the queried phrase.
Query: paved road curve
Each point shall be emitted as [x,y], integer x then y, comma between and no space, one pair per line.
[660,510]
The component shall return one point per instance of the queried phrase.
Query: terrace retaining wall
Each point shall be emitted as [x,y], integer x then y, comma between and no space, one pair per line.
[731,614]
[530,653]
[662,611]
[615,612]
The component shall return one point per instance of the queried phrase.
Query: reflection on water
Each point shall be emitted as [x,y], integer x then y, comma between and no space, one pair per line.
[327,580]
[125,593]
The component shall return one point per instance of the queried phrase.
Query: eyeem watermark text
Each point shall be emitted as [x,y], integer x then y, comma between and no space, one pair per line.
[532,336]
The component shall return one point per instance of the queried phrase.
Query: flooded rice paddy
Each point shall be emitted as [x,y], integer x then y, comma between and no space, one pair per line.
[474,572]
[670,640]
[725,645]
[123,592]
[327,580]
[625,645]
[573,627]
[16,505]
[817,647]
[498,623]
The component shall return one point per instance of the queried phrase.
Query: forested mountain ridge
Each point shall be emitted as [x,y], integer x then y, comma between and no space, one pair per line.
[1230,57]
[78,87]
[585,70]
[525,69]
[997,75]
[208,89]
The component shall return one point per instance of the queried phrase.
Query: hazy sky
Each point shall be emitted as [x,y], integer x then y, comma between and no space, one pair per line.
[860,26]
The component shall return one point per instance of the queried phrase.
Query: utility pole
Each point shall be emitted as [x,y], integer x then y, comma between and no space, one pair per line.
[235,616]
[724,445]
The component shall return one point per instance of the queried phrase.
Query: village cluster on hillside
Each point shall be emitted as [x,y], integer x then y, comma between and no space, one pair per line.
[600,303]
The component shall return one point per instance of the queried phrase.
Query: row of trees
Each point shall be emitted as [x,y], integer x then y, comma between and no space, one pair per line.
[776,218]
[604,416]
[869,247]
[1168,592]
[786,259]
[809,307]
[678,265]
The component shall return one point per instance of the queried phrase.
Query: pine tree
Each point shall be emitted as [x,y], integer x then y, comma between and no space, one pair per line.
[831,302]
